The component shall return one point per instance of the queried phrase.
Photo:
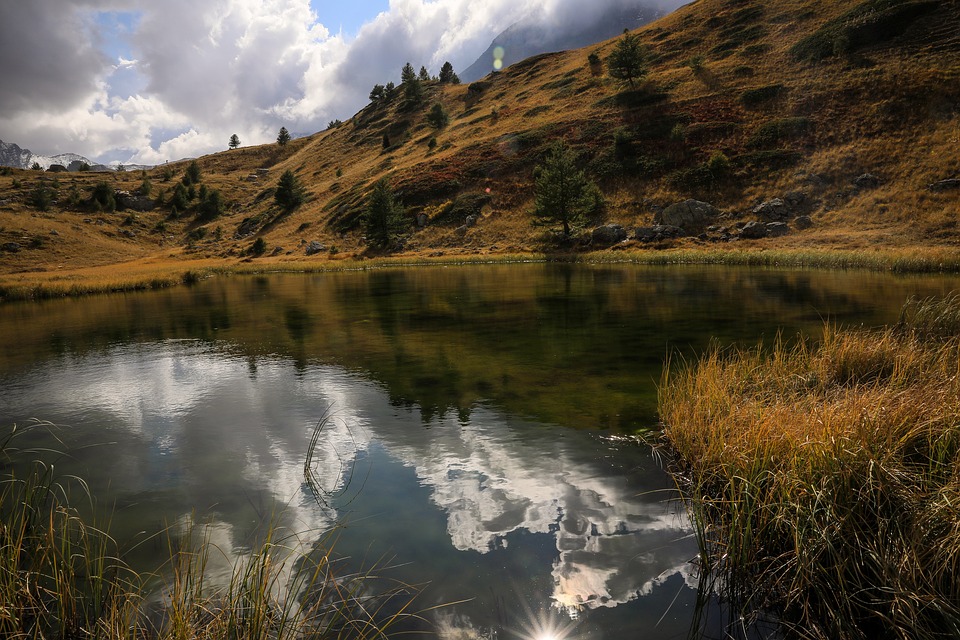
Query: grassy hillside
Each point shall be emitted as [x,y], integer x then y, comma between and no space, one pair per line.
[745,101]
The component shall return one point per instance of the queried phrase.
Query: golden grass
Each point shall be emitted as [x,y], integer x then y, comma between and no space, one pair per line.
[889,110]
[823,477]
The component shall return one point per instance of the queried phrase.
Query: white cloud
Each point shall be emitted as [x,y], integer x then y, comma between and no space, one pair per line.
[217,67]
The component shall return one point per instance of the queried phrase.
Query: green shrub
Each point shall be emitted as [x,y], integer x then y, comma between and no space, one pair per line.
[102,197]
[42,197]
[210,207]
[192,175]
[259,247]
[760,95]
[437,117]
[775,132]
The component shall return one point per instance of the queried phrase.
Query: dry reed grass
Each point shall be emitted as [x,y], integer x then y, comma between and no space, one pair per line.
[823,477]
[63,576]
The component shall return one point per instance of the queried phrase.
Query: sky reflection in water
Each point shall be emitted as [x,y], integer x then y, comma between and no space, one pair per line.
[191,430]
[471,412]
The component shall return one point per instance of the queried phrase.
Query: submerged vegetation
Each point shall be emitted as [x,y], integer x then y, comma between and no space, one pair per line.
[824,478]
[63,576]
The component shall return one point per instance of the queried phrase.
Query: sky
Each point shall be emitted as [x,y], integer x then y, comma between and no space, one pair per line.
[148,81]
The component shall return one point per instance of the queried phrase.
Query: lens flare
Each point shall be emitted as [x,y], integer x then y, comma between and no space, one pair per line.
[498,54]
[546,626]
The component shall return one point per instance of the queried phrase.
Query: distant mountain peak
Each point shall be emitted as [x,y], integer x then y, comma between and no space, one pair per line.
[540,33]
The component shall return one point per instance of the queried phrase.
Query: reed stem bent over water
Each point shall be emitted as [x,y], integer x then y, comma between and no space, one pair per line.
[824,479]
[62,576]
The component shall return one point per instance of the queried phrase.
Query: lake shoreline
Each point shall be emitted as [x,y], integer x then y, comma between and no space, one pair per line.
[160,273]
[822,475]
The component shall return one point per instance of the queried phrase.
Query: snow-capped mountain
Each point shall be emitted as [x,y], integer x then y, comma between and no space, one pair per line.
[11,155]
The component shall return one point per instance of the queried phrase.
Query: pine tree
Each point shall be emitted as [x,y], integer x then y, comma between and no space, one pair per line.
[412,87]
[627,62]
[42,197]
[234,141]
[563,194]
[377,93]
[447,74]
[283,137]
[384,218]
[211,206]
[407,74]
[424,75]
[192,175]
[437,117]
[290,194]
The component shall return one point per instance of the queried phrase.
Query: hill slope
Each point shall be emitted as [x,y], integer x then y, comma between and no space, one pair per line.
[745,101]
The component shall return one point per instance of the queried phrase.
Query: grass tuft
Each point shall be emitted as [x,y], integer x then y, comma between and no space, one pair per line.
[62,576]
[822,476]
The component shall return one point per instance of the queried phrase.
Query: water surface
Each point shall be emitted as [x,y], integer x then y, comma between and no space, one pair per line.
[478,416]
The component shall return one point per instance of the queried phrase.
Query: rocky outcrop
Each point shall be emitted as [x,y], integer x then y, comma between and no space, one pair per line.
[607,235]
[693,216]
[134,201]
[944,185]
[753,230]
[315,248]
[777,229]
[775,210]
[803,222]
[657,233]
[867,181]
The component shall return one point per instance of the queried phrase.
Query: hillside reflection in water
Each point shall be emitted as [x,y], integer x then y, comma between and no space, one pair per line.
[453,396]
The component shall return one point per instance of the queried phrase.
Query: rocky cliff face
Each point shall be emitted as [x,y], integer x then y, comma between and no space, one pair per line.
[11,155]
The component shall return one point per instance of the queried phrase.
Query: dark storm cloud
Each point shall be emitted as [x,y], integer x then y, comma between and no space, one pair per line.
[49,57]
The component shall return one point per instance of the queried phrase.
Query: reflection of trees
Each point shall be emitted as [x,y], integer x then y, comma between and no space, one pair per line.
[446,339]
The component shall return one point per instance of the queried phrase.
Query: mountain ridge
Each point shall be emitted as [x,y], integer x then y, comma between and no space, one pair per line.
[533,36]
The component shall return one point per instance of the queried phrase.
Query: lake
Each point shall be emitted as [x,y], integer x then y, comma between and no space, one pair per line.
[476,431]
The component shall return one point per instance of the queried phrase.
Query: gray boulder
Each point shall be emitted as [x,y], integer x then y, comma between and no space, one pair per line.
[777,229]
[608,234]
[867,181]
[12,247]
[690,215]
[775,210]
[657,232]
[314,248]
[134,201]
[803,222]
[945,185]
[753,230]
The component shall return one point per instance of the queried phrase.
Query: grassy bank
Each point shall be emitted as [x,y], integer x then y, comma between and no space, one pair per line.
[148,275]
[824,478]
[63,576]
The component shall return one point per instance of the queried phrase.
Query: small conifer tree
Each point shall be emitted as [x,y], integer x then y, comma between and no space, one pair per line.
[290,194]
[437,117]
[234,141]
[384,217]
[283,137]
[563,194]
[628,61]
[447,74]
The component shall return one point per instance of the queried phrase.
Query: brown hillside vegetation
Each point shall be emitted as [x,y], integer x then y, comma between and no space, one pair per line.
[745,101]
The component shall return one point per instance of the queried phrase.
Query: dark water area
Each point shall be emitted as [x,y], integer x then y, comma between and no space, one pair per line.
[480,421]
